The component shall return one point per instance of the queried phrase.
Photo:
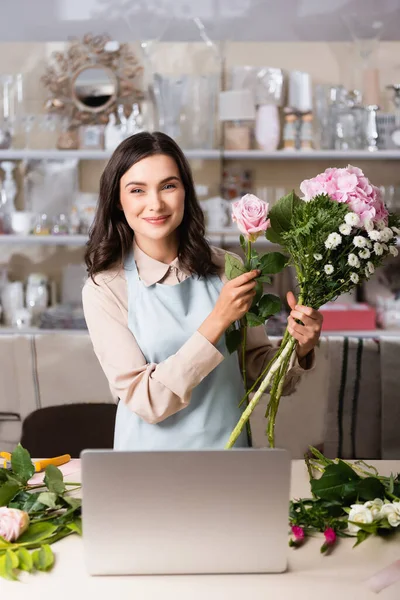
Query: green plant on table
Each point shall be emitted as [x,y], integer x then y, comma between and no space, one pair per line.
[33,516]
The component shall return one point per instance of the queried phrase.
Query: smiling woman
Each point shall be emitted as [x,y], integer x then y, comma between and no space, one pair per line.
[157,304]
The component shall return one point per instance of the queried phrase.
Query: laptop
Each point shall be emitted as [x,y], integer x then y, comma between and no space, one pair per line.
[185,512]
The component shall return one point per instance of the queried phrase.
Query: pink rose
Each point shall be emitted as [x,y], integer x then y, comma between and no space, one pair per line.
[13,523]
[298,536]
[298,533]
[251,215]
[330,535]
[330,539]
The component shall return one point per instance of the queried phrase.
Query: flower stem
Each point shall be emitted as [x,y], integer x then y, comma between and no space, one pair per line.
[278,360]
[277,392]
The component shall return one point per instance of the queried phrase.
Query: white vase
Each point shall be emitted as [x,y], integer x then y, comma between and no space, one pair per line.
[267,129]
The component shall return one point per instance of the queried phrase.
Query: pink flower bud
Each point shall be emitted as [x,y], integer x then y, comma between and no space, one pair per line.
[330,536]
[13,523]
[298,533]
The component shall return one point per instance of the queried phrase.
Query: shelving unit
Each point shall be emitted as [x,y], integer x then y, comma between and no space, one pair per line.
[209,155]
[376,333]
[215,237]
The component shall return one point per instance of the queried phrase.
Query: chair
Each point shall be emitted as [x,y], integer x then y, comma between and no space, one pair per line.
[68,429]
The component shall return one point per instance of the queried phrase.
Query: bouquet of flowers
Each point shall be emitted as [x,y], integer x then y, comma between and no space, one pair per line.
[33,516]
[335,237]
[349,500]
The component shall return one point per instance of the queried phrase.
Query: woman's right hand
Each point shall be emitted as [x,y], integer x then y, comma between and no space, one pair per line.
[236,298]
[233,303]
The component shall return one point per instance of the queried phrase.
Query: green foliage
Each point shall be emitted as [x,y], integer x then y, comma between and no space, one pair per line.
[263,306]
[281,216]
[336,485]
[53,515]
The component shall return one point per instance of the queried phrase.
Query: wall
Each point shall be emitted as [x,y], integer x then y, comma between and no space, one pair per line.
[327,62]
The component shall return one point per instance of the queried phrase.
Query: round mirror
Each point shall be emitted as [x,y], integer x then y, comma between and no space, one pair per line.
[94,88]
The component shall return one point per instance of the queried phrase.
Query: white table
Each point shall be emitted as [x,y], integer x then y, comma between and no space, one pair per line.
[341,575]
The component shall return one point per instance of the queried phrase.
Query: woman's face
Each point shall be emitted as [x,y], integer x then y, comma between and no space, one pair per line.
[153,197]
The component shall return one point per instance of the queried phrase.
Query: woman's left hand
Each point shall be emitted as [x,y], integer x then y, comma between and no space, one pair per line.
[307,335]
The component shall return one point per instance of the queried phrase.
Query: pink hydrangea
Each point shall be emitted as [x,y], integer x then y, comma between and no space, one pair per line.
[350,186]
[251,215]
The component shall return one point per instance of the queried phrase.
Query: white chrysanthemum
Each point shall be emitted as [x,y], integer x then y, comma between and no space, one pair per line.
[354,277]
[352,219]
[345,229]
[333,240]
[318,256]
[367,273]
[385,247]
[396,230]
[374,235]
[370,267]
[364,253]
[359,241]
[378,249]
[393,250]
[328,269]
[353,261]
[386,234]
[368,244]
[380,225]
[368,225]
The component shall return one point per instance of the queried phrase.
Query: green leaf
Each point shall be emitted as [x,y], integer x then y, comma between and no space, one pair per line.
[43,559]
[233,267]
[233,340]
[273,237]
[76,525]
[264,279]
[281,215]
[7,492]
[3,475]
[73,502]
[269,305]
[243,243]
[253,320]
[25,559]
[49,499]
[367,527]
[370,488]
[21,463]
[259,292]
[54,480]
[272,263]
[338,482]
[37,532]
[361,537]
[8,563]
[4,544]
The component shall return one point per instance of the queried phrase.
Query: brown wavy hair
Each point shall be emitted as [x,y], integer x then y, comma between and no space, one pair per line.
[111,237]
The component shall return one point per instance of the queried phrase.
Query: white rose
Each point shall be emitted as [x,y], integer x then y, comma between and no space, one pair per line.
[375,507]
[392,513]
[359,514]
